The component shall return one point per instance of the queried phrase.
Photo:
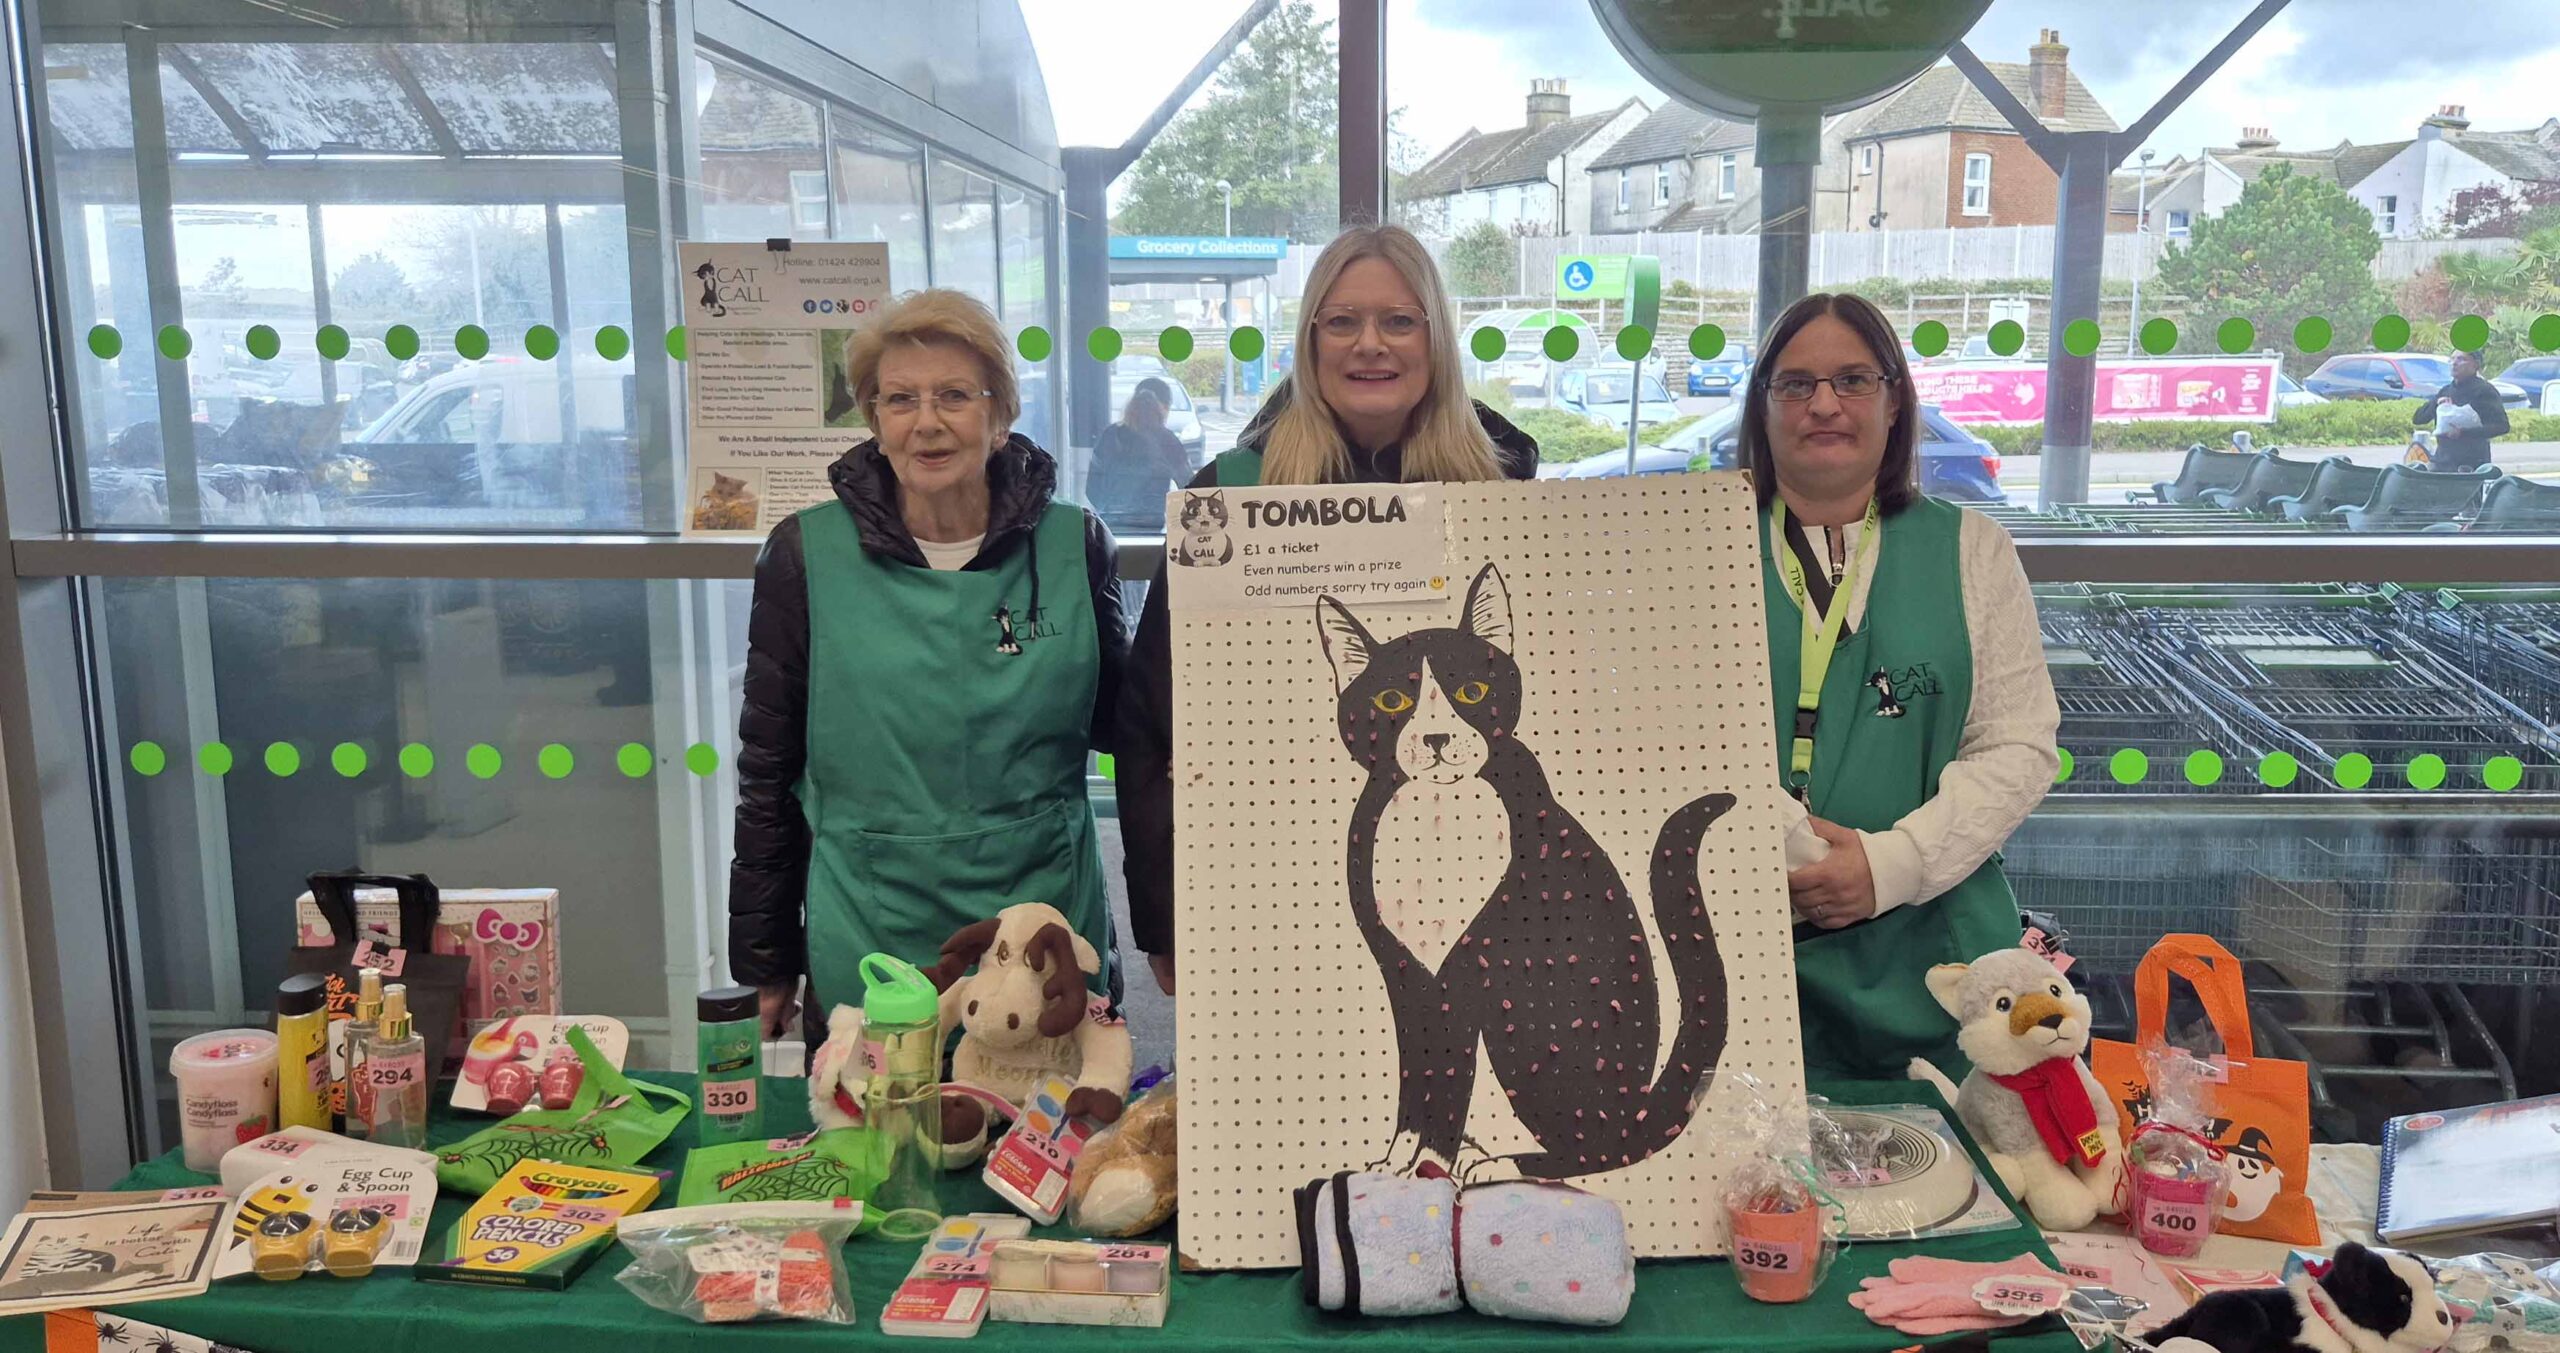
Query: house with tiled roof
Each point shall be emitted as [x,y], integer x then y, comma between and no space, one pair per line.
[1680,169]
[2172,197]
[1936,154]
[1528,179]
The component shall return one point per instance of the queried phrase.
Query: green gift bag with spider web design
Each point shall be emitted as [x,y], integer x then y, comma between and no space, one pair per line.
[613,1122]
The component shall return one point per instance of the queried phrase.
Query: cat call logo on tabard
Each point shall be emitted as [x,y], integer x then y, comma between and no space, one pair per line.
[1550,969]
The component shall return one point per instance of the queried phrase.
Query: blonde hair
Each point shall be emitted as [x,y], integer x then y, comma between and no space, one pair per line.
[1144,411]
[1443,440]
[927,318]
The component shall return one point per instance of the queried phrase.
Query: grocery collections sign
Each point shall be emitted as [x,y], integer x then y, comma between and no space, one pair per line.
[1199,246]
[1591,276]
[2234,390]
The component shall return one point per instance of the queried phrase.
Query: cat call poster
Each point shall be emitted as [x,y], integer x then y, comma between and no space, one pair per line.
[769,404]
[1482,875]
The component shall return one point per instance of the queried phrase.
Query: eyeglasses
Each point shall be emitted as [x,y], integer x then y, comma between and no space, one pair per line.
[1395,326]
[1847,385]
[949,399]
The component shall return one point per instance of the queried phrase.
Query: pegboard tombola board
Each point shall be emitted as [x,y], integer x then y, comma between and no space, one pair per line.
[1632,613]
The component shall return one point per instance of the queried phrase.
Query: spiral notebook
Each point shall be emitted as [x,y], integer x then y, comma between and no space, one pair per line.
[2483,1168]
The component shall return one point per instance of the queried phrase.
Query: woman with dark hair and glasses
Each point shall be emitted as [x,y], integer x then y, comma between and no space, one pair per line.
[1915,718]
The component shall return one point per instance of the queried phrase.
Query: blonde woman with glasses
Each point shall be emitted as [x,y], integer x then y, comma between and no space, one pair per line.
[929,658]
[1379,396]
[1915,719]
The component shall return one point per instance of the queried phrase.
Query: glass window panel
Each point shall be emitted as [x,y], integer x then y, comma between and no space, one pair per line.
[520,98]
[755,136]
[964,230]
[1024,220]
[89,103]
[315,98]
[879,188]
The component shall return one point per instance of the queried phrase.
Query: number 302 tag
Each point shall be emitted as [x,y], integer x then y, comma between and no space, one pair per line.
[2021,1296]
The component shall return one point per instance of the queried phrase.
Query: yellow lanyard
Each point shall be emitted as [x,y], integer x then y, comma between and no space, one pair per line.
[1820,641]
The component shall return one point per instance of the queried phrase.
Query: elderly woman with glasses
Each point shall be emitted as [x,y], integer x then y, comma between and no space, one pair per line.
[929,658]
[1915,719]
[1379,396]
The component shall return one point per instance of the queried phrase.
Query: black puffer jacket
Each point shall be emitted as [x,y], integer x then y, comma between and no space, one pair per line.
[1146,697]
[768,881]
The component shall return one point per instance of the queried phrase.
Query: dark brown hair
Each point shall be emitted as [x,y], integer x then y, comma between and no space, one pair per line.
[1895,486]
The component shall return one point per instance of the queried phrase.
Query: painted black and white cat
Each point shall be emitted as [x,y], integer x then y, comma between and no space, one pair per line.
[1204,531]
[1497,921]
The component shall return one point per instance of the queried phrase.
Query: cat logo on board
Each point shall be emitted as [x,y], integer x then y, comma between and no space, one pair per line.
[1204,542]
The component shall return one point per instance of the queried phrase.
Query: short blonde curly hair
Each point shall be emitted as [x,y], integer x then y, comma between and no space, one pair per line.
[936,316]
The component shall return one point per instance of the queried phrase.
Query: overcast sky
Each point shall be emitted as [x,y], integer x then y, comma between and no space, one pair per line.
[2323,71]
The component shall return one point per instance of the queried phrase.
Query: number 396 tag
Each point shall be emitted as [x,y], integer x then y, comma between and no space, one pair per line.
[2021,1296]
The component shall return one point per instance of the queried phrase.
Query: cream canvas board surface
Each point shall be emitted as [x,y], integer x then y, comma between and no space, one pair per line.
[1490,880]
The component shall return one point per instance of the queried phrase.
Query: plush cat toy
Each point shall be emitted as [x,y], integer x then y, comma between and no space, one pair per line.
[2042,1120]
[2360,1301]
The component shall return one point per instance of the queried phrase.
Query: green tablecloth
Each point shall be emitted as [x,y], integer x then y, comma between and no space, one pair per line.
[1680,1305]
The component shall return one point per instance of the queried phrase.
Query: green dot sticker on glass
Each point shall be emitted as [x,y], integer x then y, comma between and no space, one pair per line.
[542,342]
[2391,333]
[213,759]
[676,343]
[2062,772]
[2159,336]
[471,342]
[613,343]
[702,759]
[2313,335]
[417,761]
[2007,337]
[1103,344]
[2204,768]
[2080,338]
[263,342]
[2503,773]
[283,759]
[1561,343]
[2128,766]
[632,759]
[2426,771]
[1246,344]
[483,761]
[1488,344]
[1175,344]
[348,759]
[2355,771]
[1034,344]
[1929,338]
[174,343]
[400,341]
[2470,334]
[148,758]
[2545,333]
[556,761]
[105,343]
[332,342]
[2278,770]
[1634,342]
[2236,335]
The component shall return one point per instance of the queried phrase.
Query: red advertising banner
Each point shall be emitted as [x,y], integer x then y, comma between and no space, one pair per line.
[2237,389]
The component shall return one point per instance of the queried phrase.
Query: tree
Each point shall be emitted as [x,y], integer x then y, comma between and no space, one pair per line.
[1483,261]
[2490,211]
[2528,277]
[2292,248]
[221,284]
[1268,125]
[372,289]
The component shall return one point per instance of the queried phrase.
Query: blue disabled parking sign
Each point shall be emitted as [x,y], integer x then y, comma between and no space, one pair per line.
[1590,275]
[1577,276]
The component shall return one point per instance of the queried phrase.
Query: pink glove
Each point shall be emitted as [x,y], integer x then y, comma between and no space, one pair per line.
[1935,1296]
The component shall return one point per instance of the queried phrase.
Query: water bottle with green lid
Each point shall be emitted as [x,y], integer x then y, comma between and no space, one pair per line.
[902,1051]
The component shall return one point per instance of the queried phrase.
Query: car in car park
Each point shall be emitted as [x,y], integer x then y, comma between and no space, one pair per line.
[1601,395]
[2530,374]
[2291,395]
[1722,374]
[2393,375]
[1955,464]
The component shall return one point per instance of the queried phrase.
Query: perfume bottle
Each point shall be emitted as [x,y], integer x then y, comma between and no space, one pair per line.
[395,1071]
[359,1032]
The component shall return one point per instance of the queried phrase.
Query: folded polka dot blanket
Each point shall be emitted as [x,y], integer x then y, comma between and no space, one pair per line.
[1385,1245]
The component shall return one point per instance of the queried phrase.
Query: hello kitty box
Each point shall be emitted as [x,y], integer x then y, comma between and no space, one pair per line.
[511,936]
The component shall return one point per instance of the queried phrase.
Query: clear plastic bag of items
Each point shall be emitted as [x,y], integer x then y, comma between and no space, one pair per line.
[1783,1228]
[734,1262]
[2506,1304]
[2176,1174]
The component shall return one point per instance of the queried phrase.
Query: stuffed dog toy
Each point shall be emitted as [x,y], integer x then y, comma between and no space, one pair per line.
[1124,1181]
[2046,1127]
[1025,1016]
[2360,1301]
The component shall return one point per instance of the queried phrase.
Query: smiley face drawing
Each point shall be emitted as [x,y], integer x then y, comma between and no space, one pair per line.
[2255,1180]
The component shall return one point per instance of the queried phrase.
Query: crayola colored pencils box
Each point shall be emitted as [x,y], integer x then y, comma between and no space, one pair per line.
[539,1226]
